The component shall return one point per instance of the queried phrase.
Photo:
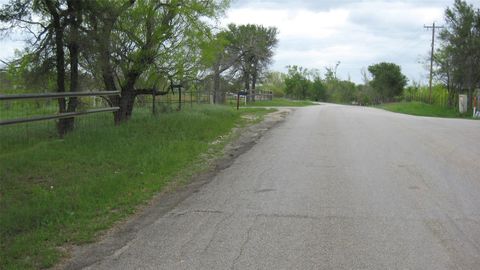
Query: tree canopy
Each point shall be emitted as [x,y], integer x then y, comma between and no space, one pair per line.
[302,83]
[458,58]
[388,80]
[254,44]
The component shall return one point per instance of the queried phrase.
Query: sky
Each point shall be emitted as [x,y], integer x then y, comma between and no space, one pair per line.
[318,34]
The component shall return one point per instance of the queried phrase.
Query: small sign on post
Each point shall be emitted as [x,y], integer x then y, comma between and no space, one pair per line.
[240,93]
[462,103]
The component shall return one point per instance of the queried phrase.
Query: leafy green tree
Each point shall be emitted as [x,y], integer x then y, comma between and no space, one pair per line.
[459,56]
[364,93]
[255,44]
[28,75]
[297,84]
[318,90]
[148,37]
[344,92]
[444,73]
[220,54]
[332,83]
[388,80]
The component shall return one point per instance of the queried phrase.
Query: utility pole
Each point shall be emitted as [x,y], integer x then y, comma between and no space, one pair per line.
[433,27]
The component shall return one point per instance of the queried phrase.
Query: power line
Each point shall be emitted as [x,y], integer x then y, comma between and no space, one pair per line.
[433,27]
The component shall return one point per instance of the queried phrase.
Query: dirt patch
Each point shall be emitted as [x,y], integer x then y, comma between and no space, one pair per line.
[119,236]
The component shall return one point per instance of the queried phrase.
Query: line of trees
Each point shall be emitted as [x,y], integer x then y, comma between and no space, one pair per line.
[386,84]
[133,46]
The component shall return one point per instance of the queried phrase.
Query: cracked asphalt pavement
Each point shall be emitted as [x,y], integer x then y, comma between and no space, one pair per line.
[332,187]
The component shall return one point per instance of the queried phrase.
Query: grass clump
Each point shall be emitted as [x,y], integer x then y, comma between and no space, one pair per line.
[55,192]
[422,109]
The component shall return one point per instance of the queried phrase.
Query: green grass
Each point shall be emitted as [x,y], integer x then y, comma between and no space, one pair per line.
[281,102]
[422,109]
[56,193]
[27,108]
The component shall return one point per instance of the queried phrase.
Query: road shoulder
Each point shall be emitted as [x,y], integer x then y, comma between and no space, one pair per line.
[120,235]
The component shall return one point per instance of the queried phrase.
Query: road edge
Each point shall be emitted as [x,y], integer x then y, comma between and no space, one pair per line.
[122,233]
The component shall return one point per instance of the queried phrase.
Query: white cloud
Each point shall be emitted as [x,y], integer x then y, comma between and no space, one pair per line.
[356,33]
[294,23]
[8,47]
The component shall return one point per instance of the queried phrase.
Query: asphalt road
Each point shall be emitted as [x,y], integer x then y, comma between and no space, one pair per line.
[333,187]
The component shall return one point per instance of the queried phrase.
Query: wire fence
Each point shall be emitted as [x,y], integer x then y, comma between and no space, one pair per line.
[36,118]
[173,100]
[29,118]
[242,97]
[32,118]
[177,100]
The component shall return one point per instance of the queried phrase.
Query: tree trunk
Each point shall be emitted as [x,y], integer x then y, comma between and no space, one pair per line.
[74,10]
[108,76]
[126,102]
[247,87]
[216,86]
[254,83]
[127,98]
[59,61]
[102,24]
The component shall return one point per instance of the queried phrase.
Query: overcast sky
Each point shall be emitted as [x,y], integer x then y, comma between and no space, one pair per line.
[317,34]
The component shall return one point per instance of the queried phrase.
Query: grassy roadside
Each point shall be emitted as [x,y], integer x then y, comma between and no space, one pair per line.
[281,102]
[56,193]
[422,109]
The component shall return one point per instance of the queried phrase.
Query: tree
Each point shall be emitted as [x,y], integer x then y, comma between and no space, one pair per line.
[54,25]
[344,92]
[318,90]
[388,80]
[220,54]
[364,93]
[332,83]
[297,84]
[148,37]
[458,58]
[444,73]
[28,75]
[254,44]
